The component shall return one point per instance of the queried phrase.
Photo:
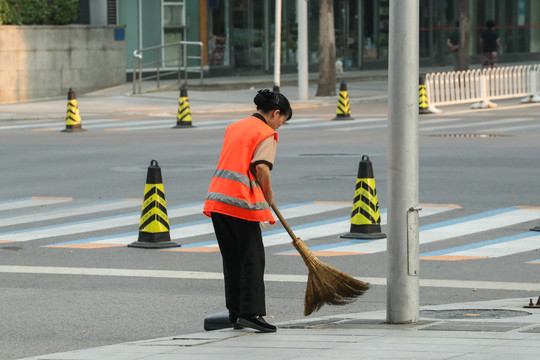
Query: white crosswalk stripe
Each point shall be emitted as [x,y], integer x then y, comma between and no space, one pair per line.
[504,246]
[359,123]
[332,220]
[90,225]
[70,212]
[444,230]
[30,202]
[205,227]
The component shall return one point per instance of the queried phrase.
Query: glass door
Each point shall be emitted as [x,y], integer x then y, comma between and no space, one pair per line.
[248,35]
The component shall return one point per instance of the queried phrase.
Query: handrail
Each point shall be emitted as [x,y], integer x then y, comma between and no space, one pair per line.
[158,64]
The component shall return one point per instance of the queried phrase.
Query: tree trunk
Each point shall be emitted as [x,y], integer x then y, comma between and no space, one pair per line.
[464,31]
[327,50]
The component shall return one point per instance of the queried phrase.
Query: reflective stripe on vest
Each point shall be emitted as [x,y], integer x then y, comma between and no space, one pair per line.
[232,175]
[237,202]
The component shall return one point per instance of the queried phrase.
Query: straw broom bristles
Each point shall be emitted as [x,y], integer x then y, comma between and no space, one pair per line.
[325,285]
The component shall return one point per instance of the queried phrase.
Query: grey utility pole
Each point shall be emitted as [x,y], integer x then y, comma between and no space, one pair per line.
[277,45]
[303,80]
[403,240]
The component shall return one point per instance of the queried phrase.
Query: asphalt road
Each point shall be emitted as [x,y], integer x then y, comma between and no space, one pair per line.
[67,282]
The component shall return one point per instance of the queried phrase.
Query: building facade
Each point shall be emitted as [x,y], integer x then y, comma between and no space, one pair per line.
[238,35]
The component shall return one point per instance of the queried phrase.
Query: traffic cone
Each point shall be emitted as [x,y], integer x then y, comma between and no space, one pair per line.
[365,216]
[73,118]
[154,225]
[343,111]
[183,119]
[423,107]
[423,102]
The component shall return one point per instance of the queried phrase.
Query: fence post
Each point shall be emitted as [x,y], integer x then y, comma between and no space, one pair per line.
[534,93]
[484,94]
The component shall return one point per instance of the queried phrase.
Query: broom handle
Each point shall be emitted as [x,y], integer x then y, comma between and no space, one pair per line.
[284,223]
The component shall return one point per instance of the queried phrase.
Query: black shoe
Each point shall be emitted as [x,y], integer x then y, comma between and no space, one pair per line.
[255,322]
[234,321]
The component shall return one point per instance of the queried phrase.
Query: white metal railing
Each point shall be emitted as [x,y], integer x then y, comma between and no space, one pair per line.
[483,85]
[158,65]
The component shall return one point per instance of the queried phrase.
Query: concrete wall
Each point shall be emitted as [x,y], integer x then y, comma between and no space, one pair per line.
[45,61]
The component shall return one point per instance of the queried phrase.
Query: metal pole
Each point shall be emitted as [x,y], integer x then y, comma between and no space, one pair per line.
[360,32]
[303,81]
[134,74]
[158,60]
[277,45]
[140,72]
[185,64]
[201,52]
[179,63]
[403,241]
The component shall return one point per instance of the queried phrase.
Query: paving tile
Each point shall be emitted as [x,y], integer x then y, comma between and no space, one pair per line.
[473,326]
[376,355]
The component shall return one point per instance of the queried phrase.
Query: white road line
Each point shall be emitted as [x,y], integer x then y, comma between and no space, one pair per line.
[33,201]
[331,228]
[330,123]
[70,212]
[448,230]
[206,227]
[516,128]
[474,124]
[495,248]
[56,125]
[91,225]
[199,275]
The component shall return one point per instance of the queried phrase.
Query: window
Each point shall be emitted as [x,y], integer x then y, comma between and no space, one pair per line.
[174,23]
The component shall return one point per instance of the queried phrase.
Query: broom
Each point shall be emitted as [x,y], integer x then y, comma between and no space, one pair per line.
[325,285]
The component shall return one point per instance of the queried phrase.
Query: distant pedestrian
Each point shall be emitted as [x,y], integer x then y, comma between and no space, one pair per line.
[453,44]
[489,40]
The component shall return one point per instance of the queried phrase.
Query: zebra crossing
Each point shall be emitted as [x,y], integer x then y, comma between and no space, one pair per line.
[426,125]
[52,227]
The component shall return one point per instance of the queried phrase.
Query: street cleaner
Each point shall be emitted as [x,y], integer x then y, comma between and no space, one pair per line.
[239,200]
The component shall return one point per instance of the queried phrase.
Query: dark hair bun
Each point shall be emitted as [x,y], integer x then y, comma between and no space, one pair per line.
[267,100]
[263,98]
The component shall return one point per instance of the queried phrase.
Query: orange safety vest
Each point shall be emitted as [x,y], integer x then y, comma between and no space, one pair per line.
[234,190]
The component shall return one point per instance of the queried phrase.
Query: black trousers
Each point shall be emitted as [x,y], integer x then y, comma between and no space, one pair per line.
[242,250]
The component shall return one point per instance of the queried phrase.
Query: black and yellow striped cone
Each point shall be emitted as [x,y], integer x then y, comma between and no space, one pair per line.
[183,119]
[365,216]
[343,111]
[423,107]
[73,118]
[154,225]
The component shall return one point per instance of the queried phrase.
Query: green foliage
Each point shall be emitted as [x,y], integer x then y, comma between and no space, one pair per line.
[8,15]
[63,11]
[38,12]
[33,12]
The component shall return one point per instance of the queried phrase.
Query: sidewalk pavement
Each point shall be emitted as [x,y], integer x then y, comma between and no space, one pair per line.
[216,94]
[227,94]
[499,329]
